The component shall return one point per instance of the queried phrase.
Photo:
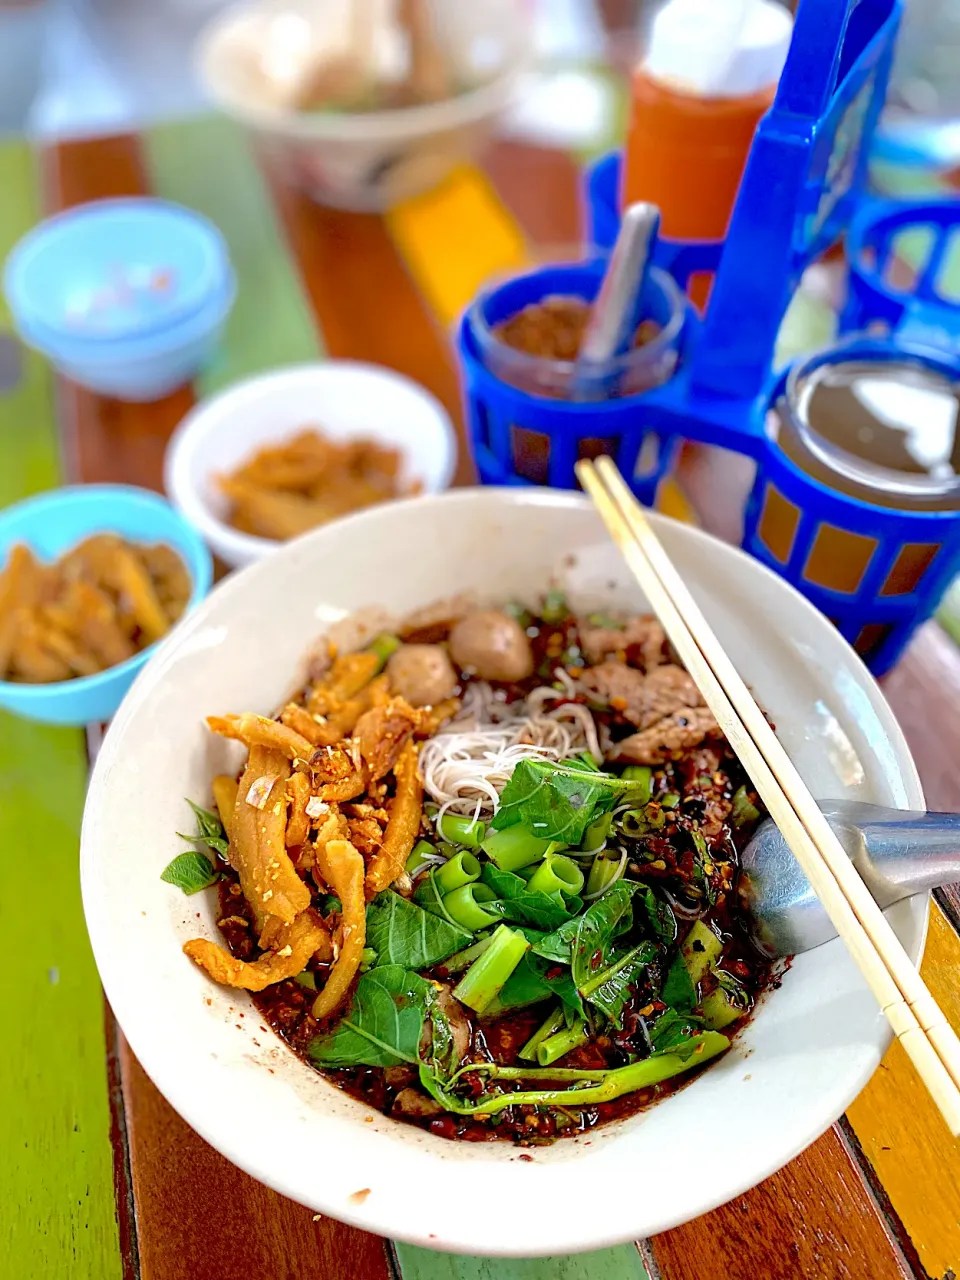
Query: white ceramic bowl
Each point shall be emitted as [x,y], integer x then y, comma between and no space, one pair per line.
[366,161]
[345,399]
[811,1047]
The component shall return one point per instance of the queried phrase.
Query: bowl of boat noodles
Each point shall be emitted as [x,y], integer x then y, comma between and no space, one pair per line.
[455,915]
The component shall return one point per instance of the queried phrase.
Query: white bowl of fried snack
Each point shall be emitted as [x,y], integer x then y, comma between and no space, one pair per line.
[287,451]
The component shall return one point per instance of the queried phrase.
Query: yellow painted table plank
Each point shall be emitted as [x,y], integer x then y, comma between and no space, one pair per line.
[902,1134]
[456,239]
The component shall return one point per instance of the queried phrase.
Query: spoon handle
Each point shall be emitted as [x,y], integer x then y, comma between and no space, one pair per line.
[618,307]
[900,852]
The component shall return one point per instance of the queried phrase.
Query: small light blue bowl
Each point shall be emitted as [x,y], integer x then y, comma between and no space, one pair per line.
[50,524]
[141,368]
[141,342]
[114,269]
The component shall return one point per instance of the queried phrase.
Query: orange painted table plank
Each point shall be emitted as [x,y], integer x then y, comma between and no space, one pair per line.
[364,301]
[110,440]
[814,1219]
[540,187]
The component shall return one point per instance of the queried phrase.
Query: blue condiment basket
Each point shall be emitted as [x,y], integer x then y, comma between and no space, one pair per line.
[900,256]
[804,181]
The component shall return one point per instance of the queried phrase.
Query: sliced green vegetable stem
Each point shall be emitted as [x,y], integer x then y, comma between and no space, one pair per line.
[595,836]
[743,810]
[554,607]
[384,645]
[459,829]
[561,1043]
[556,874]
[463,868]
[641,778]
[606,870]
[610,1084]
[465,906]
[553,1022]
[421,855]
[514,848]
[487,975]
[465,958]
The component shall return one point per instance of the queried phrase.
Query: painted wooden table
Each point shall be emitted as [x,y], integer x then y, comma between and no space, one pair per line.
[101,1179]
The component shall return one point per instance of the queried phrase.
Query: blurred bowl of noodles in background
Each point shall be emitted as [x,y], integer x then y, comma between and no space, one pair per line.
[366,104]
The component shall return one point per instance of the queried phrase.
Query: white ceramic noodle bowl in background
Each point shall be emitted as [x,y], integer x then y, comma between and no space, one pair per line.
[811,1047]
[345,399]
[366,160]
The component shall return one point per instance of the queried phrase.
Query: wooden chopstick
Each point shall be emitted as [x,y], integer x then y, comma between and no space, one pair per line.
[701,653]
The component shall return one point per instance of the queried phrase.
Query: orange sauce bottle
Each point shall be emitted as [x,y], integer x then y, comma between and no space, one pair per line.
[710,73]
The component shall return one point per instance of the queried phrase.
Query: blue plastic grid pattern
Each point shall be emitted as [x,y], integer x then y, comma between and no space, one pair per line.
[803,181]
[919,309]
[903,560]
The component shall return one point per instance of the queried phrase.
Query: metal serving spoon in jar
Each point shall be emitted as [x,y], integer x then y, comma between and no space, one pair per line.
[897,853]
[620,304]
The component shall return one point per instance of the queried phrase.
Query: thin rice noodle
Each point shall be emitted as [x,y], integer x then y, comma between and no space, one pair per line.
[468,763]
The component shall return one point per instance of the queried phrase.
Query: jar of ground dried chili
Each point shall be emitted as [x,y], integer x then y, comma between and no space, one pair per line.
[528,412]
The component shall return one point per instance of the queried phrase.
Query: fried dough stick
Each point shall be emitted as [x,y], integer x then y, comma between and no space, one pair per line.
[298,824]
[342,868]
[267,876]
[343,681]
[402,827]
[296,944]
[261,731]
[329,729]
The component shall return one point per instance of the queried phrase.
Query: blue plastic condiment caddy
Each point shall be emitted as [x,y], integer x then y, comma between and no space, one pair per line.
[803,184]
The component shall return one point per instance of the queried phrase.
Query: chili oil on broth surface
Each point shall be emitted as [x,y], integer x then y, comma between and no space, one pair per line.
[561,943]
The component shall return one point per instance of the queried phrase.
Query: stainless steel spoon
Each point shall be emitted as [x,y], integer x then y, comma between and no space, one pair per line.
[896,851]
[620,305]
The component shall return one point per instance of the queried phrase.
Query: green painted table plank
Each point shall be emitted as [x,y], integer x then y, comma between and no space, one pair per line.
[207,163]
[28,448]
[57,1215]
[620,1263]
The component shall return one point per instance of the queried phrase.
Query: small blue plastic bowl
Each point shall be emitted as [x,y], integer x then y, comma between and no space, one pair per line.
[144,346]
[115,269]
[50,524]
[140,368]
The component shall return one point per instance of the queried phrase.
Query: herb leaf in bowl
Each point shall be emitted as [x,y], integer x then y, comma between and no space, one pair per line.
[383,1025]
[557,800]
[401,932]
[190,872]
[194,871]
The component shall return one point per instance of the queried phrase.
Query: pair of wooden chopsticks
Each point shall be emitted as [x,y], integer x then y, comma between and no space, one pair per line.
[917,1021]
